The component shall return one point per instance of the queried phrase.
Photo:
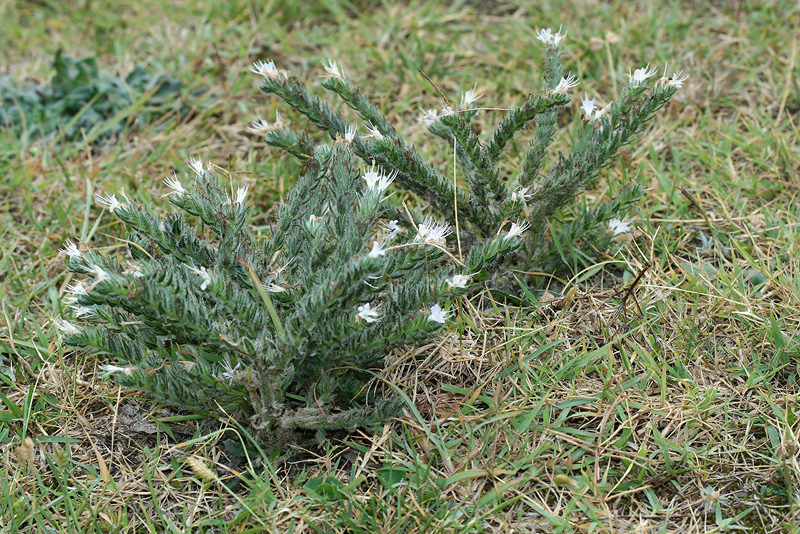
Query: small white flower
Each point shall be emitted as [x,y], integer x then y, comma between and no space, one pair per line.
[135,270]
[590,110]
[202,273]
[373,132]
[545,35]
[437,314]
[377,250]
[350,132]
[229,370]
[384,181]
[677,79]
[75,290]
[588,106]
[66,327]
[273,288]
[521,195]
[446,111]
[640,75]
[429,116]
[470,97]
[550,39]
[174,184]
[557,37]
[98,273]
[111,369]
[433,232]
[110,201]
[367,313]
[241,193]
[71,250]
[565,85]
[516,229]
[459,281]
[333,70]
[81,311]
[377,180]
[260,126]
[393,228]
[197,166]
[619,226]
[265,69]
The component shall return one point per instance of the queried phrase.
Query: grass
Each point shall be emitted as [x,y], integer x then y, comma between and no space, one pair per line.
[565,412]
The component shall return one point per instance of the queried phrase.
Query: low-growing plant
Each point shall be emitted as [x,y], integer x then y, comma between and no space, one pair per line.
[536,194]
[81,96]
[279,332]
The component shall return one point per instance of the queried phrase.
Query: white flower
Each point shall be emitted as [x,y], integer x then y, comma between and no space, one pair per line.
[392,227]
[565,85]
[98,273]
[588,106]
[333,70]
[516,229]
[135,270]
[197,166]
[556,39]
[75,290]
[640,75]
[429,116]
[71,250]
[350,132]
[433,232]
[241,193]
[80,311]
[470,97]
[273,288]
[202,273]
[265,69]
[520,195]
[368,314]
[373,132]
[677,79]
[110,201]
[66,327]
[78,288]
[437,314]
[619,226]
[313,224]
[174,184]
[229,370]
[260,126]
[377,180]
[459,281]
[548,38]
[446,110]
[111,369]
[590,110]
[377,250]
[545,35]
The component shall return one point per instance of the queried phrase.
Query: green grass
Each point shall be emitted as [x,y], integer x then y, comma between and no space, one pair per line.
[557,414]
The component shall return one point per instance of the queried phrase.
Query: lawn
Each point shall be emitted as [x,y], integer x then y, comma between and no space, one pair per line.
[650,388]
